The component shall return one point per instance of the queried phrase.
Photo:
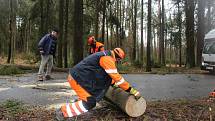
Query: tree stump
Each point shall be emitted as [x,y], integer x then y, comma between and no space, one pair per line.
[126,102]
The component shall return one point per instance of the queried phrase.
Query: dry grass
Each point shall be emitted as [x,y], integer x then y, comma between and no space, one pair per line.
[175,110]
[21,59]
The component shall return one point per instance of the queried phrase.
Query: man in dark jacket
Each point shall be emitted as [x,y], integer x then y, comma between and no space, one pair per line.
[47,48]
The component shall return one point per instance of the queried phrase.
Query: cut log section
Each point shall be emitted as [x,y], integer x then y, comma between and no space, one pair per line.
[126,102]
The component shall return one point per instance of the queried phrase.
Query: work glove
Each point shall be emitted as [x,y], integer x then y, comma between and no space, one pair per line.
[135,93]
[114,85]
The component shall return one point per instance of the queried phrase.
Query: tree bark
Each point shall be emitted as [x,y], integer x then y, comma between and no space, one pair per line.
[97,20]
[142,44]
[148,62]
[134,32]
[155,47]
[209,25]
[200,30]
[42,20]
[78,32]
[117,26]
[65,34]
[111,32]
[179,22]
[14,31]
[120,20]
[10,32]
[152,44]
[60,39]
[189,11]
[159,33]
[171,50]
[107,35]
[162,35]
[47,22]
[103,21]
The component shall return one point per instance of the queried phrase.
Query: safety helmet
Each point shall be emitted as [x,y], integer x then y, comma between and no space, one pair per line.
[119,53]
[91,40]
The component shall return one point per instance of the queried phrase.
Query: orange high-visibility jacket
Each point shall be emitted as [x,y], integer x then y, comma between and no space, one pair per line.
[98,47]
[96,73]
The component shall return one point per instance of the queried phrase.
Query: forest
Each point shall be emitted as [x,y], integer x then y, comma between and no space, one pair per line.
[154,33]
[166,50]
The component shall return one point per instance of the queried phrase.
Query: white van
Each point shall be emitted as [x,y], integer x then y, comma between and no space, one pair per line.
[208,54]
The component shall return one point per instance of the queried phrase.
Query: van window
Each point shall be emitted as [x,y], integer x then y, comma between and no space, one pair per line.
[209,48]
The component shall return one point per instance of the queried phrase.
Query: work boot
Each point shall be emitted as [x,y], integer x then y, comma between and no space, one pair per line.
[48,77]
[60,117]
[40,78]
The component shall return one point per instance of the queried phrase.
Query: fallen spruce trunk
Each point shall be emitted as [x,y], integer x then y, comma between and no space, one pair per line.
[126,102]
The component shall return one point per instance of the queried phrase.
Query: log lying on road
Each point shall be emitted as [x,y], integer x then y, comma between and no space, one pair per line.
[126,102]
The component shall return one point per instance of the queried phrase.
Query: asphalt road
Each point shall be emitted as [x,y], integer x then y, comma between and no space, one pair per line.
[172,86]
[53,93]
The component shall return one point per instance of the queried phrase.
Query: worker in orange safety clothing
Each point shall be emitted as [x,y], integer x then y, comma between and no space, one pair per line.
[90,79]
[94,45]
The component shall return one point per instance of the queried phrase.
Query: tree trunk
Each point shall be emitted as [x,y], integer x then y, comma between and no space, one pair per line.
[134,32]
[189,11]
[14,36]
[42,20]
[171,50]
[120,21]
[60,40]
[148,62]
[155,47]
[47,22]
[152,44]
[179,22]
[28,35]
[111,36]
[97,20]
[65,34]
[159,33]
[10,32]
[117,26]
[209,25]
[142,44]
[200,30]
[107,38]
[78,32]
[162,35]
[103,21]
[123,23]
[111,31]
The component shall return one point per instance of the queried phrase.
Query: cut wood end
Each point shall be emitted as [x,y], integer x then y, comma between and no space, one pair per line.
[135,108]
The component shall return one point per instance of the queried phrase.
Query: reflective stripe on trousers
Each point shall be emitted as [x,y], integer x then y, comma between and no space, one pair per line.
[73,109]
